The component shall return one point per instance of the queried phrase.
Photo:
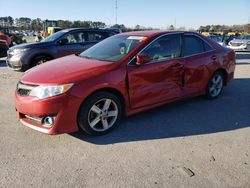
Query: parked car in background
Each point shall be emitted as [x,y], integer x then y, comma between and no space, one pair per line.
[61,43]
[224,39]
[122,75]
[6,38]
[241,44]
[227,38]
[218,39]
[3,48]
[16,38]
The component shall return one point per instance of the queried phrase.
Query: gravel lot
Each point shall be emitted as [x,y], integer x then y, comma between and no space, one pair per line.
[156,148]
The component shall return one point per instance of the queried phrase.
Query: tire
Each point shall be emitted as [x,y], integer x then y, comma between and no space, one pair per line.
[39,60]
[215,85]
[3,51]
[100,113]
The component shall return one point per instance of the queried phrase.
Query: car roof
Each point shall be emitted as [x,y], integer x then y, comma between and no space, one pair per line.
[88,29]
[153,33]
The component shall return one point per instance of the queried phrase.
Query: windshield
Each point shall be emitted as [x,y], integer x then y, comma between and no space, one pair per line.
[113,48]
[245,37]
[53,37]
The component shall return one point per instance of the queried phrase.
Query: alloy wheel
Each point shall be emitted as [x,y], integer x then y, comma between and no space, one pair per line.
[41,61]
[216,85]
[103,114]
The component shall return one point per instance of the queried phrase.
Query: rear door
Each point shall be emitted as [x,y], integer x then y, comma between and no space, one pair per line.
[161,79]
[199,57]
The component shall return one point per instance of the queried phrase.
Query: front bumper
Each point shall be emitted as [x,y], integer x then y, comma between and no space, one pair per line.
[13,65]
[63,107]
[14,62]
[18,61]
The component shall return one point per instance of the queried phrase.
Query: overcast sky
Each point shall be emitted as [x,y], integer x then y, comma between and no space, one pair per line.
[153,13]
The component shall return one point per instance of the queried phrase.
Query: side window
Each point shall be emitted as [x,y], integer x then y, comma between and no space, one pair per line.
[194,45]
[166,47]
[207,47]
[97,36]
[71,38]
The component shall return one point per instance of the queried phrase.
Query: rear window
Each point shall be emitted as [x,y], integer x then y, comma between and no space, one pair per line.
[194,45]
[207,47]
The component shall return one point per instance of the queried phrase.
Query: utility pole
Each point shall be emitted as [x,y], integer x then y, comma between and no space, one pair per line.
[116,7]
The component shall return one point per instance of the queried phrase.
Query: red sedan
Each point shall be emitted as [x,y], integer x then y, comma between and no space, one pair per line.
[122,75]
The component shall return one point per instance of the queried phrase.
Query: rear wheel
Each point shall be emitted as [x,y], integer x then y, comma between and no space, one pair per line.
[215,85]
[100,113]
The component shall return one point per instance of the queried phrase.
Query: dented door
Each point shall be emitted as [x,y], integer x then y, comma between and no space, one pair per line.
[154,83]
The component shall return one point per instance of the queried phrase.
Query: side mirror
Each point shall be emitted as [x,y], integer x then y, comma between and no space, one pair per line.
[142,58]
[63,41]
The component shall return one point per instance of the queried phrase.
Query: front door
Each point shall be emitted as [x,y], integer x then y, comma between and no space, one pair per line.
[161,79]
[72,43]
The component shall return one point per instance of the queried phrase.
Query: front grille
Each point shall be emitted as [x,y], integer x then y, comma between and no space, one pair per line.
[35,119]
[236,44]
[24,89]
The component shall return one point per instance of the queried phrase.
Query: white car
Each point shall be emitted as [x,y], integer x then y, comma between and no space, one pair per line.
[241,44]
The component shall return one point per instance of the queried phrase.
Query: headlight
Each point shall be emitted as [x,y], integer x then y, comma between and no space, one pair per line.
[18,51]
[244,44]
[43,92]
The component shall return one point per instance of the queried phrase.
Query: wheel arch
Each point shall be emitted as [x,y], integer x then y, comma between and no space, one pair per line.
[112,90]
[225,74]
[39,55]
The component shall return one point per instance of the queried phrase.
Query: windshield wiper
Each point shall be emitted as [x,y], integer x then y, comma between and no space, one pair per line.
[87,57]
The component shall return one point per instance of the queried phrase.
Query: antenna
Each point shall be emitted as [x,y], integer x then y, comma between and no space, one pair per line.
[116,7]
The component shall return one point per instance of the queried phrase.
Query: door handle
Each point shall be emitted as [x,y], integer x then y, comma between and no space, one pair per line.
[177,66]
[214,57]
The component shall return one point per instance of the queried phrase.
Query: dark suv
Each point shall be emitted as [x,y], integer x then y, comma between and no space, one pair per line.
[61,43]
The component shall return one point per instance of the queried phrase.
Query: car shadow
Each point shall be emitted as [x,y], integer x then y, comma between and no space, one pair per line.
[242,55]
[197,116]
[243,58]
[243,63]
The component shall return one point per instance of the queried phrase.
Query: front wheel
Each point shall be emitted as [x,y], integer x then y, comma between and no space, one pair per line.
[100,113]
[40,60]
[215,85]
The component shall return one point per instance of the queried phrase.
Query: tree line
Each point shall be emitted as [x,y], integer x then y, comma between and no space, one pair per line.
[24,23]
[222,28]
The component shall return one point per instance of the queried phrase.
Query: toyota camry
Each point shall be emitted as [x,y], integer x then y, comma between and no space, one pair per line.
[122,75]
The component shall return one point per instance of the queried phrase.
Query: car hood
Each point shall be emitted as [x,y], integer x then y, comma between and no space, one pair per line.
[69,69]
[240,41]
[31,45]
